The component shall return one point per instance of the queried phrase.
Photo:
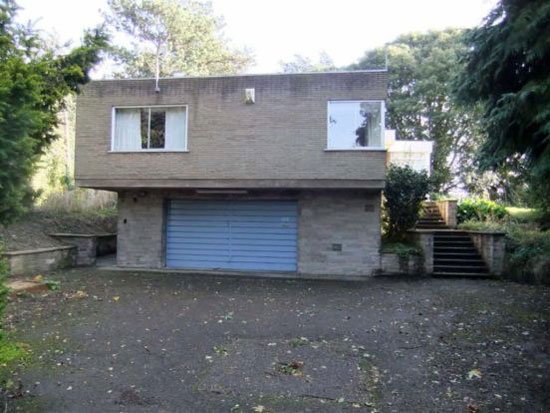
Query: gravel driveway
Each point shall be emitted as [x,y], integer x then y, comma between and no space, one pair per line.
[136,342]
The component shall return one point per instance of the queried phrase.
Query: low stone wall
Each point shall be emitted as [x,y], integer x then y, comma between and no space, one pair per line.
[447,209]
[492,247]
[30,262]
[393,264]
[424,238]
[89,246]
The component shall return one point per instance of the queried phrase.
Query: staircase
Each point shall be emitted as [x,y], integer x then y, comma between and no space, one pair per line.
[456,255]
[454,252]
[431,218]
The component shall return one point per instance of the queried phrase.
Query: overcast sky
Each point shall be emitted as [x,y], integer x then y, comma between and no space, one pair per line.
[275,30]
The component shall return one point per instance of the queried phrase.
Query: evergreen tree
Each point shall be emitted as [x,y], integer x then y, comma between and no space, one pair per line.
[506,70]
[33,85]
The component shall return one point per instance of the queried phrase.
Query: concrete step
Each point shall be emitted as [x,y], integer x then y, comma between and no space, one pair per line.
[457,243]
[461,274]
[459,262]
[467,269]
[455,250]
[431,226]
[456,255]
[444,237]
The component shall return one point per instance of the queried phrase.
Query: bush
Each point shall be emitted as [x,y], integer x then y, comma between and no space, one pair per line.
[480,210]
[529,255]
[527,248]
[405,190]
[401,249]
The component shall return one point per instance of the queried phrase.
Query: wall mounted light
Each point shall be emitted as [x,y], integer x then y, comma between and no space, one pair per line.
[249,96]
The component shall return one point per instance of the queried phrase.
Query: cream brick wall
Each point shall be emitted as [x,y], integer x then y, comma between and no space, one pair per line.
[279,141]
[348,218]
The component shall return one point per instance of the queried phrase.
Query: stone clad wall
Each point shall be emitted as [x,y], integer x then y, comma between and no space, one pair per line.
[492,247]
[393,264]
[330,220]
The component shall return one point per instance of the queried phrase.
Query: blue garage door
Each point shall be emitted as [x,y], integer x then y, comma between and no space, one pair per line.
[237,235]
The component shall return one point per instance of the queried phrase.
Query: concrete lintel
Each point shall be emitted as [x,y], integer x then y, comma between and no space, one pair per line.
[117,184]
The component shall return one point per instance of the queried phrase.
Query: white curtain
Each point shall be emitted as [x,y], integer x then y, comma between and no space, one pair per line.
[175,129]
[127,130]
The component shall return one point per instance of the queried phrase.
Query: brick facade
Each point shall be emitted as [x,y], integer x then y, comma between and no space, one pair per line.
[279,141]
[350,219]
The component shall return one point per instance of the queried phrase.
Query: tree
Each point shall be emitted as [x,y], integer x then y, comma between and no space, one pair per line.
[33,85]
[421,69]
[506,71]
[301,64]
[403,195]
[170,36]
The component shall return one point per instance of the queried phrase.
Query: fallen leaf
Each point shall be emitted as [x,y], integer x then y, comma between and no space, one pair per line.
[80,294]
[475,373]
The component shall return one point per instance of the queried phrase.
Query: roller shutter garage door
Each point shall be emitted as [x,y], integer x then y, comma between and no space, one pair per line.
[235,235]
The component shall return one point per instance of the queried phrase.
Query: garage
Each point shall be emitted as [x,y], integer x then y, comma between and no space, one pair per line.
[232,235]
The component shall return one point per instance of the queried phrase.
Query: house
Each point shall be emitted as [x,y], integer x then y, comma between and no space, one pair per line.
[416,154]
[261,173]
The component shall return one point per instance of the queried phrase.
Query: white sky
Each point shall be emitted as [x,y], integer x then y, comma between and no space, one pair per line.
[275,30]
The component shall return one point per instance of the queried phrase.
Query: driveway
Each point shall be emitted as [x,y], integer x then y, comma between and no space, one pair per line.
[136,342]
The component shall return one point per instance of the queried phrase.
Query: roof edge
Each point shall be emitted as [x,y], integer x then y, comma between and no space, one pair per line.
[246,75]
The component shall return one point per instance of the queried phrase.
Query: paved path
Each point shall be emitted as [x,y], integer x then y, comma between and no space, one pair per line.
[179,343]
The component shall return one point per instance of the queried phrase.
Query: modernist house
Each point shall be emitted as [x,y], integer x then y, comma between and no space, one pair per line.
[255,172]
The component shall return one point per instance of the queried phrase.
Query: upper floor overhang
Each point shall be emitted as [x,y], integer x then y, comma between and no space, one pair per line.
[254,131]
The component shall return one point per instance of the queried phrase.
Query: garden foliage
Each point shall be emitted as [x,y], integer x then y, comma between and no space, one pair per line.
[480,210]
[34,82]
[405,190]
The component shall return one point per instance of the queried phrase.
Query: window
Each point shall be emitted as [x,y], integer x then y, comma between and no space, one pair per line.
[355,124]
[150,129]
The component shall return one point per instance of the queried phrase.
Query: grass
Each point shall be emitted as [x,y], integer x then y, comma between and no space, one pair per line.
[524,214]
[79,201]
[11,351]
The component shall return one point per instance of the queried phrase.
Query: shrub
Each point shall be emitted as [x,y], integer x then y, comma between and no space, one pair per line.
[527,248]
[405,190]
[529,255]
[4,272]
[480,210]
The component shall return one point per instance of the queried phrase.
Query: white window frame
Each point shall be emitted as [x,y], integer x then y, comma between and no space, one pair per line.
[113,120]
[366,148]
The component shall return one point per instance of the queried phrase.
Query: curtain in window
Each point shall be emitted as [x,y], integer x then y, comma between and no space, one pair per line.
[175,129]
[127,130]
